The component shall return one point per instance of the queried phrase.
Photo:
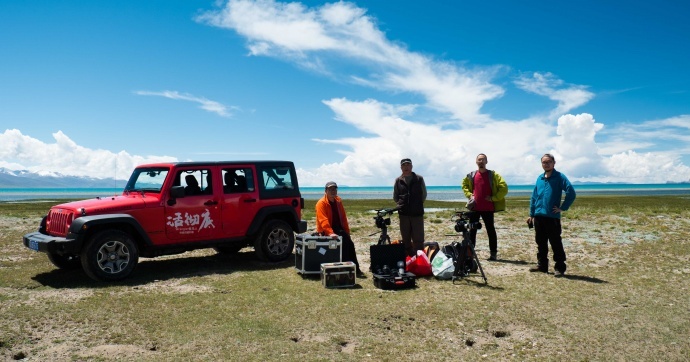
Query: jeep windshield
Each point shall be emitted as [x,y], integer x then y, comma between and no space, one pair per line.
[148,179]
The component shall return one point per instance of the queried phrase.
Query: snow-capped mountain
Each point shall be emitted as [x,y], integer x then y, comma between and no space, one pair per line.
[25,178]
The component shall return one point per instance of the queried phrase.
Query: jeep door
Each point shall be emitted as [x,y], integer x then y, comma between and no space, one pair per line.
[196,216]
[239,201]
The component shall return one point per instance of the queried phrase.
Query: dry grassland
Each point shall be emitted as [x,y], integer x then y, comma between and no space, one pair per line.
[625,297]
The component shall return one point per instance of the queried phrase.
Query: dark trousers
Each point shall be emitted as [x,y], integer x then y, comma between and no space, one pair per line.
[548,230]
[412,233]
[349,253]
[488,218]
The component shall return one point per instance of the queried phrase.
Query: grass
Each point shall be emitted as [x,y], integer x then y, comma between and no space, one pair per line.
[625,297]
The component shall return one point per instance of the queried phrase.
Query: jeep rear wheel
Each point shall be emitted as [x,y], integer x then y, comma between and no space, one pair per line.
[109,255]
[65,262]
[275,241]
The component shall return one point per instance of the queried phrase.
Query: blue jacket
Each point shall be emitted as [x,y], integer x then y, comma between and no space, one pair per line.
[547,194]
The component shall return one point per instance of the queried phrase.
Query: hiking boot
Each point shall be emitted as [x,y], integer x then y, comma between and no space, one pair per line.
[538,269]
[558,274]
[360,274]
[492,257]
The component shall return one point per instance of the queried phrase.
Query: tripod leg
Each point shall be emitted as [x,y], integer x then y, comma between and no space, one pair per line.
[476,258]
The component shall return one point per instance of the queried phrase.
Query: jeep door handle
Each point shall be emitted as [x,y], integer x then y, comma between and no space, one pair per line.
[211,202]
[249,200]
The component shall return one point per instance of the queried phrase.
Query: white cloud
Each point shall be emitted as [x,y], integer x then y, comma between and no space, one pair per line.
[205,104]
[64,156]
[311,37]
[547,84]
[442,155]
[651,167]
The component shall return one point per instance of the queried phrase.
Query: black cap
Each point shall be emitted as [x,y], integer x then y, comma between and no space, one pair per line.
[331,183]
[404,161]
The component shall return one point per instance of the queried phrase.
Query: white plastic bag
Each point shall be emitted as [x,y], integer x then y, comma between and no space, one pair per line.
[442,266]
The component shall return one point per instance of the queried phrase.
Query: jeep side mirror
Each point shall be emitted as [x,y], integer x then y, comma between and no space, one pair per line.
[175,192]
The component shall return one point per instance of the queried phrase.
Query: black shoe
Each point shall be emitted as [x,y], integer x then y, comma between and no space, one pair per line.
[360,274]
[538,269]
[492,257]
[559,274]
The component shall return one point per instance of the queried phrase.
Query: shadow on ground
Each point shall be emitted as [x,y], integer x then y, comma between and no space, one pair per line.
[155,269]
[584,278]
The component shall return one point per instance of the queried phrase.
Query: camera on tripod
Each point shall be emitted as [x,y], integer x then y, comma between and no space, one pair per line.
[463,223]
[382,218]
[465,260]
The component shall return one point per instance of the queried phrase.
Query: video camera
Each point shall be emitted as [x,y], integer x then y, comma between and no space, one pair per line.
[382,217]
[382,220]
[463,223]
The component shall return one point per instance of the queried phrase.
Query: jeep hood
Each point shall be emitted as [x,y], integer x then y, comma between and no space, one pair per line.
[109,205]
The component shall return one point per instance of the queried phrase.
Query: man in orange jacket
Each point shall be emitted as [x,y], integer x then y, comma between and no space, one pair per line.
[331,220]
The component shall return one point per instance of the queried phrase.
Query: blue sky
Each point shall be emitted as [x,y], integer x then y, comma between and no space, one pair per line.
[347,89]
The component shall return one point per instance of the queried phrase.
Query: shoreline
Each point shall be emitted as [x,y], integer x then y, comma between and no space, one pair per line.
[436,193]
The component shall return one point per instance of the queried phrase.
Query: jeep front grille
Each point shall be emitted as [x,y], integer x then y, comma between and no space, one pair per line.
[59,222]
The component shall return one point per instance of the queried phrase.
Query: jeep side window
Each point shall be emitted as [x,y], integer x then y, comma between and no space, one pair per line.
[195,182]
[277,178]
[236,180]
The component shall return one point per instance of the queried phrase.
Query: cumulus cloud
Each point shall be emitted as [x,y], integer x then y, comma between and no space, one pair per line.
[205,104]
[442,155]
[64,156]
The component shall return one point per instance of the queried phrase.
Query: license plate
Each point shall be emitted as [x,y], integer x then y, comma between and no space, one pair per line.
[33,245]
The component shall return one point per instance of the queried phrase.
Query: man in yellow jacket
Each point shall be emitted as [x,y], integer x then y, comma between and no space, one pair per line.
[488,190]
[331,220]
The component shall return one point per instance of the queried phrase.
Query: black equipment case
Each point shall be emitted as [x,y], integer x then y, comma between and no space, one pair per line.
[311,251]
[384,266]
[395,281]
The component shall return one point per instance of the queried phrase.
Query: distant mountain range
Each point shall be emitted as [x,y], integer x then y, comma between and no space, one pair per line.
[24,178]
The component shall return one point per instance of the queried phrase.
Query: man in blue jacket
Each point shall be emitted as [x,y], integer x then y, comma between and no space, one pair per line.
[545,214]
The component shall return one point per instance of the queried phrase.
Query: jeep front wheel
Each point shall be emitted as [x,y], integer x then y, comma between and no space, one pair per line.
[275,241]
[109,255]
[65,262]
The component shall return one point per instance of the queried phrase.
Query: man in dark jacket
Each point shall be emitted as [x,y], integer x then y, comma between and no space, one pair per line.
[409,192]
[545,214]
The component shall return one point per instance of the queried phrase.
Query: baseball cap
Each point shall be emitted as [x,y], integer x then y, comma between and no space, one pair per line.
[404,161]
[331,183]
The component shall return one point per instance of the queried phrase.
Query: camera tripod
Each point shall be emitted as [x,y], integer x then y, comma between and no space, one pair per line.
[385,257]
[465,259]
[382,220]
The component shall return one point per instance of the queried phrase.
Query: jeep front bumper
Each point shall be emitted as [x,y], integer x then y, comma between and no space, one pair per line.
[51,244]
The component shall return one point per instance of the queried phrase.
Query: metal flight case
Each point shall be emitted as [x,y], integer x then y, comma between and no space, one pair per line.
[313,250]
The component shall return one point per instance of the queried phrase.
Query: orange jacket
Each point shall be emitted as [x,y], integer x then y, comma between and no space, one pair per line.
[324,215]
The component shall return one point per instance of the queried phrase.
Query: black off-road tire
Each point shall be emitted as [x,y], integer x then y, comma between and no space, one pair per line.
[109,255]
[65,262]
[275,241]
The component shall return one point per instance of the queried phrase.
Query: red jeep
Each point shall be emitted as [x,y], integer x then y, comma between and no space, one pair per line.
[170,208]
